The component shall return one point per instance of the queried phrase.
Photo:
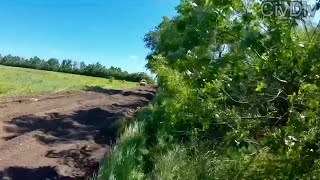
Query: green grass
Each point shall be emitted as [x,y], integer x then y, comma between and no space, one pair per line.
[22,82]
[126,161]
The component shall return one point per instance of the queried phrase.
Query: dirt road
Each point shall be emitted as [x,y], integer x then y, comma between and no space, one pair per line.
[62,136]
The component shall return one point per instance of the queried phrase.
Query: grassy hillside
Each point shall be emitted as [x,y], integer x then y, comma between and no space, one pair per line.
[20,81]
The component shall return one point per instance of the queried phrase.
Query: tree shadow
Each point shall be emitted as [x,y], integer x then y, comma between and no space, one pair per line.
[99,89]
[79,129]
[83,160]
[96,125]
[148,94]
[93,124]
[42,173]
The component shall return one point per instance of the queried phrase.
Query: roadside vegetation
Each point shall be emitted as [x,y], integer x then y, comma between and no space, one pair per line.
[21,82]
[238,98]
[73,67]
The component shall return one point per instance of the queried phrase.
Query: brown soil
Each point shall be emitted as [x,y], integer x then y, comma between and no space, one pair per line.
[63,136]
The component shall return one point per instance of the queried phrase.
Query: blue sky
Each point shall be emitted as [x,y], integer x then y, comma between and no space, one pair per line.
[105,31]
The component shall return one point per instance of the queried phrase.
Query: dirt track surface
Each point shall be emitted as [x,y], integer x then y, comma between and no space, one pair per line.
[62,136]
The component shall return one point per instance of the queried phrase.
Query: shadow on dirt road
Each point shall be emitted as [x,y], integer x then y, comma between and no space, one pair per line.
[92,124]
[66,142]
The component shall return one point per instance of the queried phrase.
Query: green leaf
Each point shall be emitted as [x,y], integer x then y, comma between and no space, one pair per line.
[260,87]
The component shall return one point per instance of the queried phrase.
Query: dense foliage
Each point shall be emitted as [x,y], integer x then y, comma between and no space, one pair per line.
[238,98]
[74,67]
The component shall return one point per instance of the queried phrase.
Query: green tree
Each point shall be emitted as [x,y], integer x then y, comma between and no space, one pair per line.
[243,84]
[53,64]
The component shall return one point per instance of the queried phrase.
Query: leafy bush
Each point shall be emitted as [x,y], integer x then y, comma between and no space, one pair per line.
[239,95]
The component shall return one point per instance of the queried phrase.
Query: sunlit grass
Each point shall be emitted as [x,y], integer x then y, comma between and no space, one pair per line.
[21,82]
[126,161]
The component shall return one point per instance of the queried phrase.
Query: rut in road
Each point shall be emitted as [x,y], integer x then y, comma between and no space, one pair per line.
[63,136]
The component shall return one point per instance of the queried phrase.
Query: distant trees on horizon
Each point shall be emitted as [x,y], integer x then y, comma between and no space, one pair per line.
[73,67]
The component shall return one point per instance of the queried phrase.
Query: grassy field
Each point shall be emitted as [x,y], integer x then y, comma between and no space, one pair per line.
[21,82]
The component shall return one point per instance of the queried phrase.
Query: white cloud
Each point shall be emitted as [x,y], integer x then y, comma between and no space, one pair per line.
[133,57]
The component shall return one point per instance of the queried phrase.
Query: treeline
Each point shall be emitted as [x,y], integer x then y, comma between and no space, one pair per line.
[73,67]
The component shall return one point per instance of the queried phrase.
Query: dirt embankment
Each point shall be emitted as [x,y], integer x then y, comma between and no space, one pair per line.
[62,136]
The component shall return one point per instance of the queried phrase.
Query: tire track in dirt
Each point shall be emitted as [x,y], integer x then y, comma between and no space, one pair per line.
[62,136]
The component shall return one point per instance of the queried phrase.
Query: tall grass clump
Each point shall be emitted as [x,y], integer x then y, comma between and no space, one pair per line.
[127,160]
